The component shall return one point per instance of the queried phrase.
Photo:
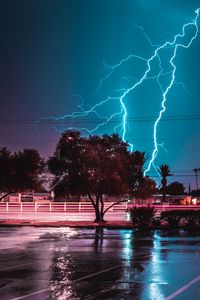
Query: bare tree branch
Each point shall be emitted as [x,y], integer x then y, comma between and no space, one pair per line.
[115,203]
[4,196]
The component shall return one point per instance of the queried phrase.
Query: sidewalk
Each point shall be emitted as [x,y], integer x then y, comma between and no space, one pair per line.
[75,224]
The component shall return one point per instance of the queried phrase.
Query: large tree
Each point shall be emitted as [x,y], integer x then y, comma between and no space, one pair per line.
[95,167]
[20,171]
[5,169]
[164,172]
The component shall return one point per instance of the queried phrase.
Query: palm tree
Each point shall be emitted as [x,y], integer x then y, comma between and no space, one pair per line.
[139,159]
[164,172]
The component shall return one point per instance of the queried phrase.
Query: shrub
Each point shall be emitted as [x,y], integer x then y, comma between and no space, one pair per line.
[192,221]
[173,221]
[142,216]
[156,221]
[174,217]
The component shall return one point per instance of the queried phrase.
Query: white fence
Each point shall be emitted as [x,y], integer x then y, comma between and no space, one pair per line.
[58,207]
[55,207]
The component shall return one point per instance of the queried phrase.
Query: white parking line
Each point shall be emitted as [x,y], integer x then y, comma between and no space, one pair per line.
[183,288]
[98,273]
[77,280]
[15,267]
[32,294]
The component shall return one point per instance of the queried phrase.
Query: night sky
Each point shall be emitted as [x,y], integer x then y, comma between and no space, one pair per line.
[54,54]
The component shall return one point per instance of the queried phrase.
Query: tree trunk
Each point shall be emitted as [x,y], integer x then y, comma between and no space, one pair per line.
[102,209]
[98,213]
[7,194]
[164,198]
[164,188]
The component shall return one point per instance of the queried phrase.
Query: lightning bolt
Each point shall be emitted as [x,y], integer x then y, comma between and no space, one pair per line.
[176,45]
[119,101]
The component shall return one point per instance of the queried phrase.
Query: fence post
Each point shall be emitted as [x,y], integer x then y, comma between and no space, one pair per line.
[6,206]
[79,206]
[35,206]
[21,207]
[50,206]
[65,207]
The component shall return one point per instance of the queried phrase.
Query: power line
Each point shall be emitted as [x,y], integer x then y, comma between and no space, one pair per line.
[76,120]
[175,175]
[132,140]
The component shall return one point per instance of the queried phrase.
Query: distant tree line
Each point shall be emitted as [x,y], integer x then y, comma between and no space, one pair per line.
[94,166]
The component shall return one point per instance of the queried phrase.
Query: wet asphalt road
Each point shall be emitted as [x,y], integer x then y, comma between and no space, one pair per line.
[66,263]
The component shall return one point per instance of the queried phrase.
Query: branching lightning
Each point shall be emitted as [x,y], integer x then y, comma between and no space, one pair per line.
[119,101]
[176,45]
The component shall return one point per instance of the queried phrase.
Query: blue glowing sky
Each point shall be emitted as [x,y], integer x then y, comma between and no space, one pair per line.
[53,51]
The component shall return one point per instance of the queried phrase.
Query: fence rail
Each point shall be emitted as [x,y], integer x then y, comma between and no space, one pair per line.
[63,207]
[53,207]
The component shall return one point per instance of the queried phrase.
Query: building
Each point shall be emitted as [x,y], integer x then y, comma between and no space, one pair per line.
[28,197]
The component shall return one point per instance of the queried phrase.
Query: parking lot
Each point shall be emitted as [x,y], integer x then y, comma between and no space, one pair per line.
[66,263]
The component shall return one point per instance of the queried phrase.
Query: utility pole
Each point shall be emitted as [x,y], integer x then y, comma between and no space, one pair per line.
[196,174]
[189,190]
